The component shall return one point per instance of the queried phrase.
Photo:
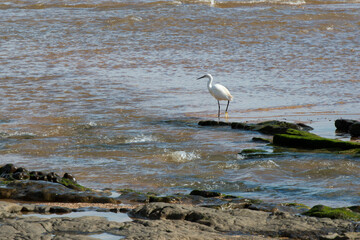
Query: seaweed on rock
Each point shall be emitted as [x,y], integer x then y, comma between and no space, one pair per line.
[305,140]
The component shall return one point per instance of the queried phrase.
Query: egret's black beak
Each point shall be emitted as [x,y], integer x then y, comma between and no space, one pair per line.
[201,77]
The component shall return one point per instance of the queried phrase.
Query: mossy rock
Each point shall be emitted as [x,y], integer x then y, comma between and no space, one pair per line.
[302,139]
[72,185]
[322,211]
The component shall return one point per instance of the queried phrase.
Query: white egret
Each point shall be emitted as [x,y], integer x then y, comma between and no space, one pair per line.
[219,92]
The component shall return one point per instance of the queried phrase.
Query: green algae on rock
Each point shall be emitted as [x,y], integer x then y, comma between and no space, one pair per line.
[305,140]
[73,185]
[322,211]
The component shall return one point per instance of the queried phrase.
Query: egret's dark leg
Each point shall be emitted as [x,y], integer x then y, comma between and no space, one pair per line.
[226,113]
[219,111]
[227,106]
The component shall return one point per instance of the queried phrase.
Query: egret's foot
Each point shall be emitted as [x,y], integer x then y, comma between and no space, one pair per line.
[226,116]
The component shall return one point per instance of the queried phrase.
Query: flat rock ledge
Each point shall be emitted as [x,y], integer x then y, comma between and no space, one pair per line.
[175,221]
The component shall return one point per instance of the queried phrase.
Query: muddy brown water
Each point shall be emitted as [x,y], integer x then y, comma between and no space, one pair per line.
[107,90]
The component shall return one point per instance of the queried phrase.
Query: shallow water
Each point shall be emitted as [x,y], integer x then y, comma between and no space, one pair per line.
[106,90]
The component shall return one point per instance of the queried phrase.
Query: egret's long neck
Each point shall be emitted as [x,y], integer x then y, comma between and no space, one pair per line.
[209,84]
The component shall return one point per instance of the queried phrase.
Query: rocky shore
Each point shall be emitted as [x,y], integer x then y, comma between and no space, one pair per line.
[198,215]
[171,221]
[37,205]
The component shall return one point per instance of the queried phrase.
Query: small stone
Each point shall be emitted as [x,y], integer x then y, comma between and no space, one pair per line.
[8,168]
[344,124]
[21,175]
[42,209]
[70,177]
[53,177]
[56,209]
[21,169]
[28,208]
[206,194]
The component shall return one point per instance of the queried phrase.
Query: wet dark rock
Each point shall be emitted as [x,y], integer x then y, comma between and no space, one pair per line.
[20,170]
[53,177]
[354,129]
[7,169]
[206,194]
[261,140]
[213,123]
[348,126]
[257,153]
[243,126]
[59,210]
[21,175]
[252,151]
[271,127]
[344,124]
[34,175]
[267,127]
[70,177]
[276,127]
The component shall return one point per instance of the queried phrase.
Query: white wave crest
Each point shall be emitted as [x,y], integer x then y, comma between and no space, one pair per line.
[181,156]
[142,139]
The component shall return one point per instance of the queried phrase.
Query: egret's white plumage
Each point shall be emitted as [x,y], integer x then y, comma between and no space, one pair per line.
[219,92]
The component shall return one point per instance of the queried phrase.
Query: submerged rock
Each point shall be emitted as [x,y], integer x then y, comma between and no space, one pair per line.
[206,194]
[354,129]
[348,126]
[7,170]
[261,140]
[252,151]
[344,124]
[213,123]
